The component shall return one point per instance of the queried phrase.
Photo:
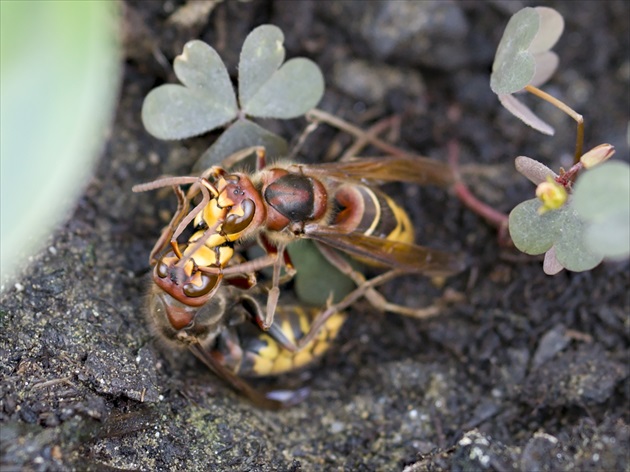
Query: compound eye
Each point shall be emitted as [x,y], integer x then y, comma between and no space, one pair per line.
[208,282]
[236,223]
[161,270]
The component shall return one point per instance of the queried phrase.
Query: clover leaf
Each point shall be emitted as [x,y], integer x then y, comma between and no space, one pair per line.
[269,90]
[206,98]
[523,55]
[205,101]
[241,135]
[562,229]
[523,59]
[261,55]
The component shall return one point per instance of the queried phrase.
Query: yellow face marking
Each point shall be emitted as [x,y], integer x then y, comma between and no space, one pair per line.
[211,214]
[196,279]
[188,268]
[170,261]
[213,241]
[202,256]
[233,237]
[211,189]
[225,254]
[224,201]
[237,210]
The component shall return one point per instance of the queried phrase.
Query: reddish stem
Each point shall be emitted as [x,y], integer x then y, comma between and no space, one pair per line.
[494,217]
[566,179]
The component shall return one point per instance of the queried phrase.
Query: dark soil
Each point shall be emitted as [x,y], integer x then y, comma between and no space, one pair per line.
[530,372]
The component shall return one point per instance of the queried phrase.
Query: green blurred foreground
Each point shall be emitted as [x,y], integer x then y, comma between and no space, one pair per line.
[59,76]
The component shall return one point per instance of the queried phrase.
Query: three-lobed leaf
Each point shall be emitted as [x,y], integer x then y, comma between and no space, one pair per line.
[562,230]
[204,102]
[241,135]
[206,99]
[268,89]
[514,66]
[531,232]
[524,47]
[549,30]
[262,54]
[523,58]
[294,89]
[571,249]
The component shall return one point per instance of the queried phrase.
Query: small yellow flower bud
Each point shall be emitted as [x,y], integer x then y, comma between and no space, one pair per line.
[552,194]
[597,155]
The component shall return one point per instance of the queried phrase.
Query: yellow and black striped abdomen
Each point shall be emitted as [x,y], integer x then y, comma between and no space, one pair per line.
[394,223]
[369,211]
[260,354]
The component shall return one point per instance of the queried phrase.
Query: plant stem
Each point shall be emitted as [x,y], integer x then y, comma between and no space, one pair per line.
[579,141]
[496,218]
